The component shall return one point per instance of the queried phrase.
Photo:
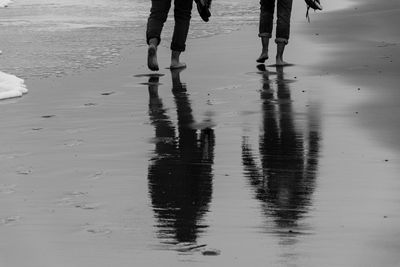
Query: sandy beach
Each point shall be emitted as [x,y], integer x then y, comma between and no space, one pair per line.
[256,165]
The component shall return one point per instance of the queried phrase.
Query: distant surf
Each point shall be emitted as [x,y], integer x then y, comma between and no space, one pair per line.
[11,86]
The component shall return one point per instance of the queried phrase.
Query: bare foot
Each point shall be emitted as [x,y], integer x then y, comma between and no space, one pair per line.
[177,65]
[152,58]
[263,57]
[281,62]
[175,62]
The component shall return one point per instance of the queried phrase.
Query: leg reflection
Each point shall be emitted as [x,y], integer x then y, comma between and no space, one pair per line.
[180,172]
[284,180]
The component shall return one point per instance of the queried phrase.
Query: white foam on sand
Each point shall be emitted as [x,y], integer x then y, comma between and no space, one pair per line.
[4,3]
[11,86]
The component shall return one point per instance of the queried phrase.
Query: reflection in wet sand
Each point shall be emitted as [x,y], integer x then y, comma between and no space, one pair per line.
[180,173]
[285,180]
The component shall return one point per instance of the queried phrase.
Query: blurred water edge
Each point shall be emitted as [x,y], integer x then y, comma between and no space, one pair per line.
[40,38]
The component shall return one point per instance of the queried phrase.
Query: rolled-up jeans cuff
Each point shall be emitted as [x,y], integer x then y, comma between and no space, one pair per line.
[156,37]
[281,40]
[265,34]
[178,48]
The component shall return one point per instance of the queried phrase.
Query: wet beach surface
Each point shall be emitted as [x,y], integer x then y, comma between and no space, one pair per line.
[45,39]
[222,164]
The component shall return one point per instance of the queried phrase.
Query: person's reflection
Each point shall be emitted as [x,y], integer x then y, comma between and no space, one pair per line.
[285,181]
[180,173]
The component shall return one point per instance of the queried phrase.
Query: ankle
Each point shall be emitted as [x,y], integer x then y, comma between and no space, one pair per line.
[175,56]
[153,46]
[153,42]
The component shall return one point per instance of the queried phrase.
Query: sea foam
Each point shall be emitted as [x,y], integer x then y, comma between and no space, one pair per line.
[11,86]
[4,3]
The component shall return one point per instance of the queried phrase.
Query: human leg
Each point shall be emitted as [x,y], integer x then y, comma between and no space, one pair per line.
[280,48]
[182,15]
[284,10]
[152,62]
[264,51]
[158,15]
[265,27]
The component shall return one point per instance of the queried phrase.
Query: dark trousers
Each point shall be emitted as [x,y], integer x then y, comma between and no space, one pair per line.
[284,10]
[158,15]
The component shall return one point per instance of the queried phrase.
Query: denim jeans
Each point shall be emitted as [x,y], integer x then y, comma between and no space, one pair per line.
[158,15]
[284,10]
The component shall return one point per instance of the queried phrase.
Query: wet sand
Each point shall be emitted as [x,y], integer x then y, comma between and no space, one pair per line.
[366,56]
[268,167]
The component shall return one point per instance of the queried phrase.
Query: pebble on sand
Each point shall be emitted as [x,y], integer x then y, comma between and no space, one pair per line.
[211,252]
[108,93]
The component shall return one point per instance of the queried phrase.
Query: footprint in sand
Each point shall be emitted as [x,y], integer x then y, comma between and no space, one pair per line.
[96,175]
[7,188]
[66,201]
[72,198]
[76,203]
[97,230]
[87,206]
[24,172]
[8,221]
[90,104]
[77,193]
[72,143]
[13,155]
